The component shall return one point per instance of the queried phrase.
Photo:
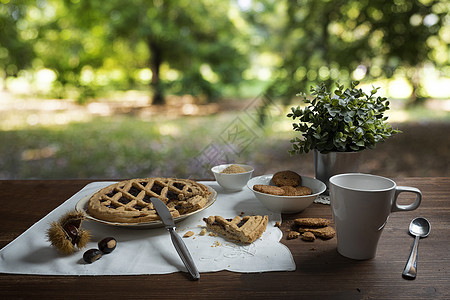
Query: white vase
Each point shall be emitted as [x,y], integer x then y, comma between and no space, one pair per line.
[332,163]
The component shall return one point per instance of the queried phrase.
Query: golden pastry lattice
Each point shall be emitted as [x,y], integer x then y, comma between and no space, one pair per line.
[129,201]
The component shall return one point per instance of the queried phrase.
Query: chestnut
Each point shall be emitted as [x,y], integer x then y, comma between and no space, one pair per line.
[107,245]
[72,232]
[92,255]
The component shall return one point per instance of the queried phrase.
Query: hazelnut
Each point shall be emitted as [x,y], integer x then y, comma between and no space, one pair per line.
[107,245]
[92,255]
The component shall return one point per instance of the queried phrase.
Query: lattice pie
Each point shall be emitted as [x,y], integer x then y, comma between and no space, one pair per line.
[129,201]
[245,230]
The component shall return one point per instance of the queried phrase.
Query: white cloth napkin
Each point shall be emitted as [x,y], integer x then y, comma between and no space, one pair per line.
[322,199]
[150,251]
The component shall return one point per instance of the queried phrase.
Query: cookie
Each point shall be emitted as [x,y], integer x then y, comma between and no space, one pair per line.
[293,235]
[289,190]
[286,178]
[324,232]
[312,222]
[296,191]
[308,236]
[303,191]
[268,189]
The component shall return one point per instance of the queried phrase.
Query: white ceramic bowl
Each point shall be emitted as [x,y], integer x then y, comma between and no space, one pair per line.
[287,204]
[234,182]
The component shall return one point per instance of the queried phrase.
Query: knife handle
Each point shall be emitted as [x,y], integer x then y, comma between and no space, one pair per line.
[183,252]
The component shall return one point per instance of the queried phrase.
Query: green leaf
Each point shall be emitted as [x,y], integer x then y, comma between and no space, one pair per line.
[349,120]
[354,148]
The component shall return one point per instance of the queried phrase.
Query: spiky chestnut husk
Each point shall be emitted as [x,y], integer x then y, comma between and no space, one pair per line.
[66,233]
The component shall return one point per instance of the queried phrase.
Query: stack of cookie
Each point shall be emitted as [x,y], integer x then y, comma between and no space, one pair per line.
[311,228]
[287,183]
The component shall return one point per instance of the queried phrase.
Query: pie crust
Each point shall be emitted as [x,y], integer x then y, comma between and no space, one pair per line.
[129,201]
[245,230]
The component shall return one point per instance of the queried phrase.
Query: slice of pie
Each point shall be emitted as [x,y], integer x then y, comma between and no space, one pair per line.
[129,201]
[245,230]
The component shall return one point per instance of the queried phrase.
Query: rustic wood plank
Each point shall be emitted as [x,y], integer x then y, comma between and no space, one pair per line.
[321,272]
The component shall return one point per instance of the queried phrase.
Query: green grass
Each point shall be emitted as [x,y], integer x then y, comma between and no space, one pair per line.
[124,146]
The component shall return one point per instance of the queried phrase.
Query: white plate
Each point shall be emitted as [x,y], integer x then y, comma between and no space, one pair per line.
[82,205]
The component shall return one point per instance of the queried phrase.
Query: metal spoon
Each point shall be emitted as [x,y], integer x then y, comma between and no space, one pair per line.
[419,227]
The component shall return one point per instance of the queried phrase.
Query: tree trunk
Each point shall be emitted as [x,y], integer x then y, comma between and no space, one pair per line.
[155,65]
[5,87]
[417,97]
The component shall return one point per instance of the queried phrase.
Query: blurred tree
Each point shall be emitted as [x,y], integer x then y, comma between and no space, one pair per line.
[199,47]
[15,51]
[328,40]
[197,40]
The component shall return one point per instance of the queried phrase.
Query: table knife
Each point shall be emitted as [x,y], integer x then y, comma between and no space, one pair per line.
[178,243]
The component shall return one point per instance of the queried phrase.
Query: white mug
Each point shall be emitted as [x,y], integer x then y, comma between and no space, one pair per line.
[361,204]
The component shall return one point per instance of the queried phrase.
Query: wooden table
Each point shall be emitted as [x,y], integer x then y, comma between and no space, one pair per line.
[321,272]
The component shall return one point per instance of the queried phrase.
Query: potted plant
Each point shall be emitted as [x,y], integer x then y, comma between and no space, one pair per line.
[337,125]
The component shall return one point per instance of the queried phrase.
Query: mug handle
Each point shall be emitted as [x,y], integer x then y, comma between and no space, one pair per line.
[407,207]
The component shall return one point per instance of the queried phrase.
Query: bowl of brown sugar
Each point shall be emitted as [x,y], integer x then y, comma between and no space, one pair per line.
[232,176]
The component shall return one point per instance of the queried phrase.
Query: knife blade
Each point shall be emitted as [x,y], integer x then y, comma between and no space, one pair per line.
[177,242]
